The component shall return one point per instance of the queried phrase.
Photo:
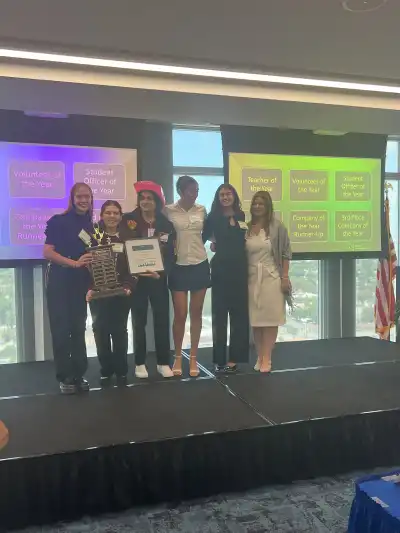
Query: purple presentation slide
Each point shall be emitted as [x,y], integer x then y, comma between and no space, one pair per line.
[35,181]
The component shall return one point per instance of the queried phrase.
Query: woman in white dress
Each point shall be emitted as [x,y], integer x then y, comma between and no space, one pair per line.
[269,254]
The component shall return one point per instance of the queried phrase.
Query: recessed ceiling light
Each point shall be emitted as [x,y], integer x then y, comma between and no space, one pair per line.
[363,6]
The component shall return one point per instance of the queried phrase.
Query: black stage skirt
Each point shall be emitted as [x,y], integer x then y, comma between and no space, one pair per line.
[185,278]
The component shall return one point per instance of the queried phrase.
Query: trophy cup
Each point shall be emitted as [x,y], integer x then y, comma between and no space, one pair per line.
[103,268]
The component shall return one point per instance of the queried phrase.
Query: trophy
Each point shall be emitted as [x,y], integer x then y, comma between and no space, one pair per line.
[103,268]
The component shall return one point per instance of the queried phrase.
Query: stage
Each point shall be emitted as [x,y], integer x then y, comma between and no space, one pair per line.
[329,407]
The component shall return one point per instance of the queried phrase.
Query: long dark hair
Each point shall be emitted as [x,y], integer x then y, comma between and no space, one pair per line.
[157,201]
[216,207]
[269,208]
[71,198]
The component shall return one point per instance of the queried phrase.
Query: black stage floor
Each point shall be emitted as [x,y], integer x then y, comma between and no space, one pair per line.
[38,378]
[328,407]
[321,353]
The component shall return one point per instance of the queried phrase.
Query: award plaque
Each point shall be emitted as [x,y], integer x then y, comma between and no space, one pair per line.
[103,269]
[144,255]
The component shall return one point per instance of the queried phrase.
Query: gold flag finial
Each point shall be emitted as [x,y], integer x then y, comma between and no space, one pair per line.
[388,186]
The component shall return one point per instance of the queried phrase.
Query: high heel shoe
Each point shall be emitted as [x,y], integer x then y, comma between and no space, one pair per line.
[257,366]
[265,368]
[193,373]
[177,371]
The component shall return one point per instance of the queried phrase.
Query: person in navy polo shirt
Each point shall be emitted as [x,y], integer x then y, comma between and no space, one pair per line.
[68,279]
[146,221]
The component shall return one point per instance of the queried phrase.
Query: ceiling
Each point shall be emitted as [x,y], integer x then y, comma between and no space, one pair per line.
[304,37]
[189,108]
[296,36]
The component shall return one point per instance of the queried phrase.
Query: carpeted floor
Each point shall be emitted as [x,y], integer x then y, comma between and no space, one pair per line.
[320,506]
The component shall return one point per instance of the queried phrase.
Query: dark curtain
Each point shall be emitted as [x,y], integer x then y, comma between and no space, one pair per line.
[152,140]
[75,130]
[66,486]
[300,142]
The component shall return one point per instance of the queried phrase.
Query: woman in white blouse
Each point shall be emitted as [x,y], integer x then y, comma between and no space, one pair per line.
[191,273]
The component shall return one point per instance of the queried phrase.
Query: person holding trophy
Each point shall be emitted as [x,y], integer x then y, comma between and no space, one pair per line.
[110,313]
[145,222]
[67,282]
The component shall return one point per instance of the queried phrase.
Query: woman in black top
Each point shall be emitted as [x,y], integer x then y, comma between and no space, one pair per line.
[226,228]
[147,220]
[67,237]
[110,315]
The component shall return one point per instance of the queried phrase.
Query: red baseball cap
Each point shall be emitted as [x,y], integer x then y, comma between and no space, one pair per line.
[151,186]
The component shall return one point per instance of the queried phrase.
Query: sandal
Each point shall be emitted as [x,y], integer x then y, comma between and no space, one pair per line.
[177,371]
[257,366]
[194,373]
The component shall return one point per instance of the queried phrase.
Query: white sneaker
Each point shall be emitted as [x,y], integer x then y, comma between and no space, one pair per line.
[165,371]
[141,372]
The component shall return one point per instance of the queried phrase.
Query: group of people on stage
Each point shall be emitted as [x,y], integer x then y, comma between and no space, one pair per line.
[249,277]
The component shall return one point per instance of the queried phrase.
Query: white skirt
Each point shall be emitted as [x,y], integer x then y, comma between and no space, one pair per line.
[267,305]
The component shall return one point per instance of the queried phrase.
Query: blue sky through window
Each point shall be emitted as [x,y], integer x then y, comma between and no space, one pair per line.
[392,156]
[207,187]
[197,148]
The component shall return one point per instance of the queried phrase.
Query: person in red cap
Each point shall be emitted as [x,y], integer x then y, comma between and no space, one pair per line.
[147,220]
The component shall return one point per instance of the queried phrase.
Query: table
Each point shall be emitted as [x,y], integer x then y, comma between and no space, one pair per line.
[376,505]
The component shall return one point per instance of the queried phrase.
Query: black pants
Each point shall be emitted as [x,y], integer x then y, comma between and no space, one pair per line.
[157,292]
[230,299]
[67,308]
[110,317]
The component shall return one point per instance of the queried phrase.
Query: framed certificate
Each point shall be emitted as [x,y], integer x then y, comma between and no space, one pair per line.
[144,255]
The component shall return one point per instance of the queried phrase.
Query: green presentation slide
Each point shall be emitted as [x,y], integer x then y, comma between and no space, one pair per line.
[328,204]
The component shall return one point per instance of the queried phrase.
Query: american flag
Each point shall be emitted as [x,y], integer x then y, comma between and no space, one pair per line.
[385,302]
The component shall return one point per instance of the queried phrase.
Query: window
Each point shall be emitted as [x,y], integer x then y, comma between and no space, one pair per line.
[392,156]
[8,319]
[90,343]
[207,188]
[365,296]
[198,152]
[303,322]
[197,148]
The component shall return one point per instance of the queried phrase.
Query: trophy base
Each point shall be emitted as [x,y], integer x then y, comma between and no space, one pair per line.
[108,293]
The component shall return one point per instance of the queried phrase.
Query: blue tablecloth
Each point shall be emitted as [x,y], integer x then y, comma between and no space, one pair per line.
[376,506]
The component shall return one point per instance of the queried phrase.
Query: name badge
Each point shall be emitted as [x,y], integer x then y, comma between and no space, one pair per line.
[150,232]
[164,237]
[243,225]
[195,222]
[85,237]
[118,248]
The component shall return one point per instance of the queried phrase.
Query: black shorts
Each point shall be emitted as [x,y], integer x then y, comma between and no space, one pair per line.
[190,278]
